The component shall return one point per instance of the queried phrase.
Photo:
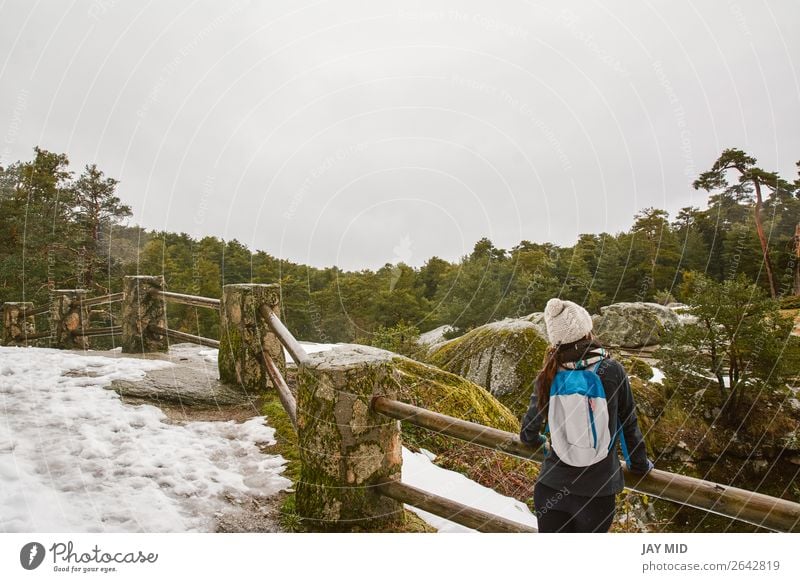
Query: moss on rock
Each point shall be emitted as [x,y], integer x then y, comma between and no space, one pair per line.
[503,357]
[637,367]
[429,387]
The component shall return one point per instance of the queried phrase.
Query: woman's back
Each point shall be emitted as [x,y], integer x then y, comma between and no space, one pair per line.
[604,477]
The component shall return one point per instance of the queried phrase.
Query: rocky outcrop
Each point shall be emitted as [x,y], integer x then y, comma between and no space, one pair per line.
[434,336]
[503,357]
[537,319]
[192,383]
[633,325]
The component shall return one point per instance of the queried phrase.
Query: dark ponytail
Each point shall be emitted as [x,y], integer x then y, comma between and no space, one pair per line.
[545,378]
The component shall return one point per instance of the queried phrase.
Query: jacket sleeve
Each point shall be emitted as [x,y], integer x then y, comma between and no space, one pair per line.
[637,451]
[532,423]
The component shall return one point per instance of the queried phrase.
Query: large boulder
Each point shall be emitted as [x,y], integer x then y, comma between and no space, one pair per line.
[633,325]
[503,357]
[537,319]
[434,336]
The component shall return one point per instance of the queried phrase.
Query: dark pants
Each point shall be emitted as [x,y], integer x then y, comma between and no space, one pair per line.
[559,511]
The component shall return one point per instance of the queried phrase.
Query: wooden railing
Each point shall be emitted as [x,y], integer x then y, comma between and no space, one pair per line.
[755,508]
[194,300]
[186,337]
[34,311]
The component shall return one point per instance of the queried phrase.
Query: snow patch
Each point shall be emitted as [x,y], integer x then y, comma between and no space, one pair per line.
[658,376]
[419,471]
[75,458]
[311,348]
[434,336]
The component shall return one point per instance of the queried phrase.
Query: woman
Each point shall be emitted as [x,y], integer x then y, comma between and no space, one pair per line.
[569,498]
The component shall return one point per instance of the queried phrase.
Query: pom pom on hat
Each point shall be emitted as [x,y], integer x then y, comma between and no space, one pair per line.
[566,321]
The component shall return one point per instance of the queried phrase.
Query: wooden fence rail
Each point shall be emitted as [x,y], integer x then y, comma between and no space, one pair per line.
[34,311]
[459,513]
[292,346]
[103,299]
[187,337]
[99,331]
[284,393]
[194,300]
[755,508]
[37,335]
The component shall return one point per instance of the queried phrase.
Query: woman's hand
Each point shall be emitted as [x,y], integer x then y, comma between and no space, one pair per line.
[650,467]
[540,440]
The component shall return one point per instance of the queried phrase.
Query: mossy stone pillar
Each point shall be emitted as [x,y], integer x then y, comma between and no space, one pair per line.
[345,448]
[68,317]
[143,309]
[15,325]
[244,333]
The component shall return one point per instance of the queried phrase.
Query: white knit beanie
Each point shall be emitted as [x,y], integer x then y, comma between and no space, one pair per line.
[566,321]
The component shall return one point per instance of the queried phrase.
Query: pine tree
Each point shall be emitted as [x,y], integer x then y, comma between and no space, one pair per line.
[749,175]
[96,207]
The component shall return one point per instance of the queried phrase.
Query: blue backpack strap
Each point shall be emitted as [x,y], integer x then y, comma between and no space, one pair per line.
[626,455]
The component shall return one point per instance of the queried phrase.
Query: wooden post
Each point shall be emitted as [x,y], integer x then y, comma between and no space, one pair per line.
[68,315]
[143,310]
[15,325]
[346,449]
[244,334]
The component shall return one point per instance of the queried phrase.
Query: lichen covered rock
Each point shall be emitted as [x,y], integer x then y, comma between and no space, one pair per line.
[633,325]
[537,319]
[503,357]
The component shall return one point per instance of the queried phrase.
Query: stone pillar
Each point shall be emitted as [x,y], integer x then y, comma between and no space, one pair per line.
[16,326]
[142,308]
[345,448]
[67,316]
[243,332]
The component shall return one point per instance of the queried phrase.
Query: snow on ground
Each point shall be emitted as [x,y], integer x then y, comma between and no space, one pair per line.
[658,376]
[419,471]
[74,457]
[310,347]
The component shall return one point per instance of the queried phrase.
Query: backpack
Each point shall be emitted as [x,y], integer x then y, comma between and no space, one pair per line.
[578,418]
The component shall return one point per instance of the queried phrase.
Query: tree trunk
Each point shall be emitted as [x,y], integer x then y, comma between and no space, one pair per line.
[763,240]
[716,365]
[796,286]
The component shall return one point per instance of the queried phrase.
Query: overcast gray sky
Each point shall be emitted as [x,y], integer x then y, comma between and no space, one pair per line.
[361,133]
